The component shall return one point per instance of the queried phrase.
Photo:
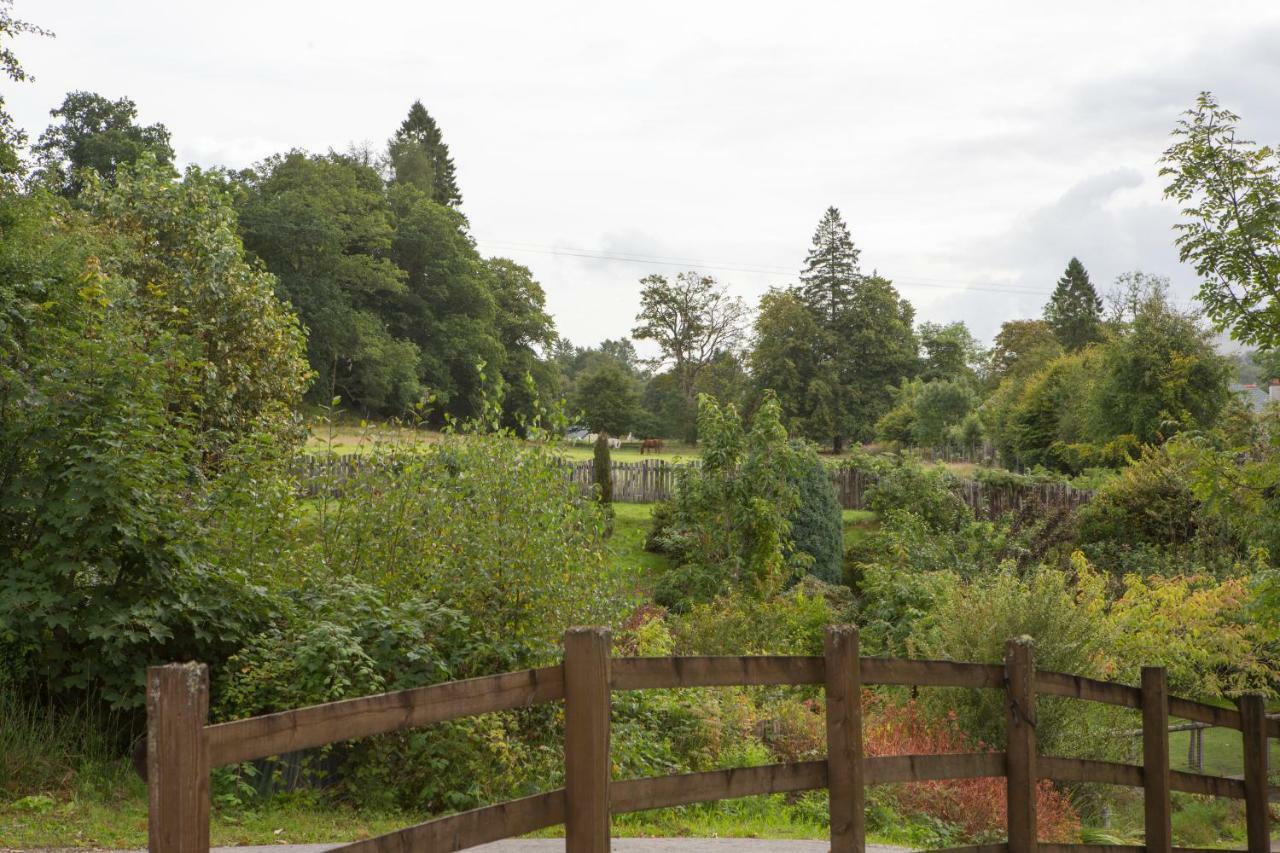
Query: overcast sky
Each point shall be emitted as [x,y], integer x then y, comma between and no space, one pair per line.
[973,147]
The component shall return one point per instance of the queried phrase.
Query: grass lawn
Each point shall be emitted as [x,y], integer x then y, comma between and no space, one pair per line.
[1223,753]
[672,451]
[345,438]
[119,821]
[857,524]
[631,524]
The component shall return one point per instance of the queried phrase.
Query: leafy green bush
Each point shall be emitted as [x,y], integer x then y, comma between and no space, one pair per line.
[926,493]
[1150,520]
[729,522]
[973,621]
[486,523]
[139,347]
[816,527]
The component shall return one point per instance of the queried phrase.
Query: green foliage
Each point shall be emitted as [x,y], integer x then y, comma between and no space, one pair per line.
[950,352]
[1161,376]
[1074,311]
[816,527]
[859,339]
[110,405]
[12,137]
[488,525]
[399,304]
[693,320]
[1157,374]
[420,157]
[1150,503]
[729,520]
[1230,192]
[973,622]
[941,405]
[1022,347]
[340,641]
[926,493]
[603,469]
[608,400]
[98,135]
[234,352]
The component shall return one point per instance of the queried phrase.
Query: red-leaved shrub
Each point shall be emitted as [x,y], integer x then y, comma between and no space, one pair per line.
[977,806]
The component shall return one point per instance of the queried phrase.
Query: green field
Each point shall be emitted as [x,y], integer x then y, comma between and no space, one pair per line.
[1223,753]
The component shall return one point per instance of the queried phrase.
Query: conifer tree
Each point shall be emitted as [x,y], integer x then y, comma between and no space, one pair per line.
[831,267]
[419,156]
[1074,312]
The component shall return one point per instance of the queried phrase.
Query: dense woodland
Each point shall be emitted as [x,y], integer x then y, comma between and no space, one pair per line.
[167,338]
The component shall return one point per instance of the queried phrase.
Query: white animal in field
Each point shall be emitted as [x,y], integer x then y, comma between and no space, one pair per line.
[615,443]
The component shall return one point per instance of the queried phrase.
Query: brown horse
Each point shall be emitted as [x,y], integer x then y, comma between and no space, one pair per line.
[654,444]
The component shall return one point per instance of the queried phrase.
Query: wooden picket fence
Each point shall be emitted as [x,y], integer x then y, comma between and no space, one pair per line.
[182,746]
[652,480]
[655,480]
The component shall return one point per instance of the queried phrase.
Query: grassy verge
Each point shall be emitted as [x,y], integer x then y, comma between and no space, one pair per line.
[118,820]
[631,524]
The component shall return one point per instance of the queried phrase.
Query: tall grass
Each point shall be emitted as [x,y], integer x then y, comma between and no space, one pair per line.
[51,750]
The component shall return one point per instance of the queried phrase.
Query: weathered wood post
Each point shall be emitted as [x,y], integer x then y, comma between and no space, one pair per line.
[1020,707]
[1253,728]
[177,758]
[844,740]
[586,740]
[1155,760]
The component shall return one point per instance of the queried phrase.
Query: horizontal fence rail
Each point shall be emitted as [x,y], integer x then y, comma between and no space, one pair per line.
[182,747]
[653,480]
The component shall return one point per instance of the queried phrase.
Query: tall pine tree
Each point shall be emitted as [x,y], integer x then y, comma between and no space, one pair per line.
[1074,312]
[420,157]
[831,267]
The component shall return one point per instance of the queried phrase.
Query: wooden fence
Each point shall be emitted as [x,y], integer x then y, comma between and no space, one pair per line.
[182,747]
[655,480]
[651,480]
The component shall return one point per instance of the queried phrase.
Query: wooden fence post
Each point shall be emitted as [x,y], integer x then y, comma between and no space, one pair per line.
[1155,760]
[177,758]
[844,740]
[1020,707]
[586,740]
[1253,725]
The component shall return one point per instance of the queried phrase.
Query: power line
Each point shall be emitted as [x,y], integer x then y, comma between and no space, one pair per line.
[569,252]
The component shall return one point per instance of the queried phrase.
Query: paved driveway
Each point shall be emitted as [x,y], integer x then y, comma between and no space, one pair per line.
[620,845]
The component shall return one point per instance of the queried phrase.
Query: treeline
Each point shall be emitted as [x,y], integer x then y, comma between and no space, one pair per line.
[402,315]
[367,247]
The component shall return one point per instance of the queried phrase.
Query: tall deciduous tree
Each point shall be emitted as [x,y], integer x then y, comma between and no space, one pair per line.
[1230,191]
[1074,312]
[950,351]
[608,399]
[12,137]
[419,156]
[692,319]
[321,224]
[99,134]
[1022,347]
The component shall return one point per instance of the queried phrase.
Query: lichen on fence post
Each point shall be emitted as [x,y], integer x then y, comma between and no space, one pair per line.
[177,758]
